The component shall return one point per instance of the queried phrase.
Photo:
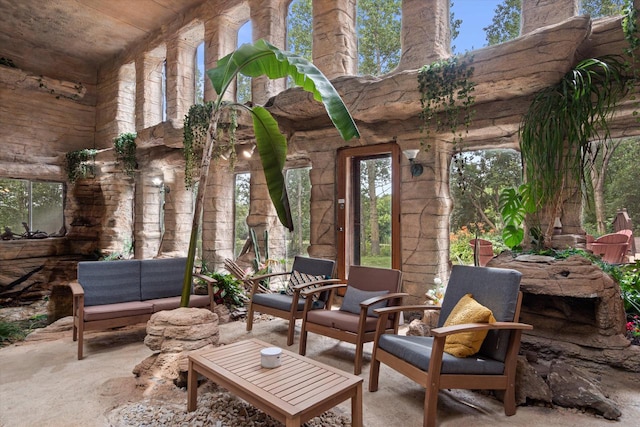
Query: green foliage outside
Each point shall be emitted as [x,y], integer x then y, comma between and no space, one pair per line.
[228,291]
[300,28]
[23,201]
[461,251]
[378,27]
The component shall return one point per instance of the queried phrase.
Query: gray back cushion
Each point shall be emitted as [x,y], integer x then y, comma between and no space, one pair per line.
[314,266]
[109,282]
[161,278]
[495,288]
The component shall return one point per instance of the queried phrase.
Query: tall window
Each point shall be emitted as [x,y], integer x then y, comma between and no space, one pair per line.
[199,74]
[378,27]
[299,191]
[164,90]
[241,211]
[243,89]
[39,205]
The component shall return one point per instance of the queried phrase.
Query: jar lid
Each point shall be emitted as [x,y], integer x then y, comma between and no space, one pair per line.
[271,351]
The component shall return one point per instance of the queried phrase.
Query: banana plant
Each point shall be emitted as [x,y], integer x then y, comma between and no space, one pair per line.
[254,60]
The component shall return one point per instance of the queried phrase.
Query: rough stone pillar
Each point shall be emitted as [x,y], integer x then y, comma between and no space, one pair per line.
[269,23]
[181,62]
[542,13]
[147,217]
[426,205]
[178,212]
[218,219]
[221,38]
[116,113]
[149,88]
[425,33]
[262,215]
[323,198]
[335,44]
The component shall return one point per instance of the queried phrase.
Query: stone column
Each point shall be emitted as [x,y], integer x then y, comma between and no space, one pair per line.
[426,205]
[181,62]
[178,211]
[149,88]
[262,215]
[269,23]
[218,219]
[335,44]
[323,238]
[541,13]
[147,217]
[221,38]
[425,33]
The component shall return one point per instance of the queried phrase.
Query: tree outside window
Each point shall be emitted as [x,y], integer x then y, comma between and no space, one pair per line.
[38,204]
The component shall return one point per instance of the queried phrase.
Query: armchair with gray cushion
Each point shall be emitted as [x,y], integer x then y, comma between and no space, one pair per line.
[424,360]
[367,288]
[305,273]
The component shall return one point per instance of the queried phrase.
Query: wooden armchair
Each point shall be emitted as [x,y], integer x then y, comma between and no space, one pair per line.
[305,273]
[355,322]
[612,248]
[423,359]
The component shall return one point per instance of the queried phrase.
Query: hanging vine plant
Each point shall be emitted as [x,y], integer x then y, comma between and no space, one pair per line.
[447,101]
[196,126]
[563,119]
[80,164]
[124,146]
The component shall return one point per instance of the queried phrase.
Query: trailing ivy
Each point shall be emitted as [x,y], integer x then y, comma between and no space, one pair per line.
[125,152]
[196,126]
[80,163]
[447,101]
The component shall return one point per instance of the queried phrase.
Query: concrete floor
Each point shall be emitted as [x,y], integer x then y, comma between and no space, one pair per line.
[42,383]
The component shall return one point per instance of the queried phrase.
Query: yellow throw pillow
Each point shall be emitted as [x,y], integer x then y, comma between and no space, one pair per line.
[467,310]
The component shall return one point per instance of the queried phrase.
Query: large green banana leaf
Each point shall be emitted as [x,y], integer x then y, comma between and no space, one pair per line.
[263,59]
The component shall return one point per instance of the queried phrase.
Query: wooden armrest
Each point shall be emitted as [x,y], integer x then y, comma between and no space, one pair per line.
[396,308]
[267,276]
[373,300]
[470,327]
[314,283]
[205,278]
[76,288]
[312,291]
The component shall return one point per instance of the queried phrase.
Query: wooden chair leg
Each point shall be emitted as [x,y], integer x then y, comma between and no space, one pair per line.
[250,317]
[303,340]
[80,338]
[510,399]
[291,331]
[374,373]
[430,406]
[357,364]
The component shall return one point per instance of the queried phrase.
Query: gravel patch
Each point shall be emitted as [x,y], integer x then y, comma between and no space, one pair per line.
[217,408]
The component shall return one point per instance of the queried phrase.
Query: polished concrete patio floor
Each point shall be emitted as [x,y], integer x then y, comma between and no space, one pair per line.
[42,383]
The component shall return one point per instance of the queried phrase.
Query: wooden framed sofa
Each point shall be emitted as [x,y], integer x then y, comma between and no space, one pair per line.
[110,294]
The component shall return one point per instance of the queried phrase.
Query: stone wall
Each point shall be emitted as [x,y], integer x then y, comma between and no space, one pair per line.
[104,212]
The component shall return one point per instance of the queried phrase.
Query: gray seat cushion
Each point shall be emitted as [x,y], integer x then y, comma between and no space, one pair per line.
[278,301]
[342,320]
[109,282]
[112,311]
[174,302]
[417,351]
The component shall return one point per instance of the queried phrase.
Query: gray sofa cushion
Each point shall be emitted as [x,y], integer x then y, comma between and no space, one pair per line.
[354,296]
[113,311]
[161,278]
[342,320]
[169,303]
[109,282]
[417,351]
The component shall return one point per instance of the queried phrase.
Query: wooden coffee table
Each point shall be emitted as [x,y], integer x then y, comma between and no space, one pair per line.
[292,393]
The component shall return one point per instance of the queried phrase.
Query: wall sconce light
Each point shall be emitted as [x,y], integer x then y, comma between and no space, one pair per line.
[160,184]
[248,152]
[416,168]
